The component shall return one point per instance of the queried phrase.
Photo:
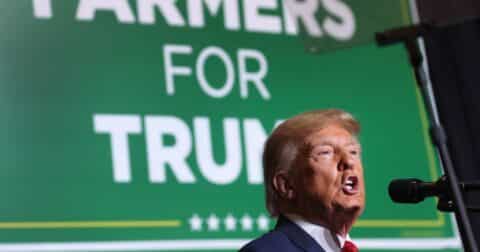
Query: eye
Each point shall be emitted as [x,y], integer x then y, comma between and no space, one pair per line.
[325,152]
[354,152]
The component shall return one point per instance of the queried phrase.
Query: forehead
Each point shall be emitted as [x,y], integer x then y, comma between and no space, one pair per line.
[331,134]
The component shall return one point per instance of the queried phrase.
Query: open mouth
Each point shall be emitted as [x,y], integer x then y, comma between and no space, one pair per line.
[350,185]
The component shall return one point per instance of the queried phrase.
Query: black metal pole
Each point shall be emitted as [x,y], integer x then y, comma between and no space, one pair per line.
[439,138]
[409,36]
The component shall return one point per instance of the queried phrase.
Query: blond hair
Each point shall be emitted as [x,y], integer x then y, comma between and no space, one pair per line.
[283,145]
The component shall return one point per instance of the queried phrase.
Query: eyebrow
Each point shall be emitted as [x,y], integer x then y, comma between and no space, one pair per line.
[328,142]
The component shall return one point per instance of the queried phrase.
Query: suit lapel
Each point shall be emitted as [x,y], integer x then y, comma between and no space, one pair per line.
[297,235]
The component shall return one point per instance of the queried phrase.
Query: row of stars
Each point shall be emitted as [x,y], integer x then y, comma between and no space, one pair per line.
[230,222]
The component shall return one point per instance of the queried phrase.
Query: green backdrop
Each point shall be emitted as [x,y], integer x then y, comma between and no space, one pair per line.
[76,90]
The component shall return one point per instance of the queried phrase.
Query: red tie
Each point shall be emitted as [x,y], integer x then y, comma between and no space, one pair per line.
[349,247]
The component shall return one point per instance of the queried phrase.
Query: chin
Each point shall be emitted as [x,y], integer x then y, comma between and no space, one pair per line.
[351,208]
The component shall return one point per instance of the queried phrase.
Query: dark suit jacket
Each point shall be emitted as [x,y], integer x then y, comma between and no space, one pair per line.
[286,237]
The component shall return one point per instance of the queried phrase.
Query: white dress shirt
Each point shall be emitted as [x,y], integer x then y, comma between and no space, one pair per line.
[328,241]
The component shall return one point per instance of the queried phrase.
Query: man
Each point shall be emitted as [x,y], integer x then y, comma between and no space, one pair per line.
[313,182]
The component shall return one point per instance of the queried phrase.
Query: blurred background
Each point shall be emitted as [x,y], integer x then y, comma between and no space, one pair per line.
[138,125]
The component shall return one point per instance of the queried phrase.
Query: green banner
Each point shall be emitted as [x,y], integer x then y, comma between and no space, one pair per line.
[138,125]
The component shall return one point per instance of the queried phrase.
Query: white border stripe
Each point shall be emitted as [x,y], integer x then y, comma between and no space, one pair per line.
[235,244]
[127,245]
[409,244]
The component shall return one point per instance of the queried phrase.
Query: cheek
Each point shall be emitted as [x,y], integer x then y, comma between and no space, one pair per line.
[325,180]
[361,174]
[319,178]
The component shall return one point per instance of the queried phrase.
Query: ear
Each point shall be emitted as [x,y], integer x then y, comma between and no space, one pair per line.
[283,186]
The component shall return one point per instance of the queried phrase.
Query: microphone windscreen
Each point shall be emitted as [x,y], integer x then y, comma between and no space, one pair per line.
[405,190]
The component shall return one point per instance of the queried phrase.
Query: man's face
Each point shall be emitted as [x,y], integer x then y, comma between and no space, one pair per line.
[329,178]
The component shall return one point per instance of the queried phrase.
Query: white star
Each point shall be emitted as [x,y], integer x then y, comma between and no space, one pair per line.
[263,222]
[213,222]
[195,223]
[247,222]
[230,222]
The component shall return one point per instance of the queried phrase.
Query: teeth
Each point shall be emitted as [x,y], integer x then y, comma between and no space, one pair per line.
[349,184]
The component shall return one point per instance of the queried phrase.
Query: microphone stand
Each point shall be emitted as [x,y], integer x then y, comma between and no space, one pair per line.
[408,36]
[445,202]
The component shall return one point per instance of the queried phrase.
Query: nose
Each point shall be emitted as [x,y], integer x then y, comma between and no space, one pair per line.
[346,161]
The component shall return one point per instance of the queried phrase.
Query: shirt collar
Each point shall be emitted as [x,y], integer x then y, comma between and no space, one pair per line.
[323,236]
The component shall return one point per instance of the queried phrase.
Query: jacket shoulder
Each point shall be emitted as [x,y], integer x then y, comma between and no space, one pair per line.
[271,241]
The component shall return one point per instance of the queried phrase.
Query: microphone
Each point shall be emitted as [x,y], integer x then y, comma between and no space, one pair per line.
[413,190]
